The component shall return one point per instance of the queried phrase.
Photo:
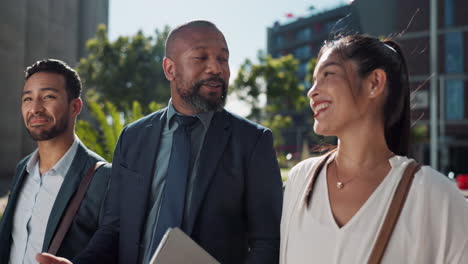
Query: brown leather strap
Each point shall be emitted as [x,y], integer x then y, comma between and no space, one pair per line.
[393,213]
[314,177]
[72,209]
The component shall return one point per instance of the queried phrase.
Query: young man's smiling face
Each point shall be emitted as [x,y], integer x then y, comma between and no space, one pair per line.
[46,108]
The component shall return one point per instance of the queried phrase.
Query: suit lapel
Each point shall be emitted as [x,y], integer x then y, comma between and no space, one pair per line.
[78,167]
[215,141]
[149,143]
[150,139]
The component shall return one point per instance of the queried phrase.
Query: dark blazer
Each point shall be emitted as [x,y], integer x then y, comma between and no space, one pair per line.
[237,198]
[88,217]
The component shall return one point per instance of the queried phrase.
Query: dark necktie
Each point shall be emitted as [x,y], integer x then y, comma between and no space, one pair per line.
[172,206]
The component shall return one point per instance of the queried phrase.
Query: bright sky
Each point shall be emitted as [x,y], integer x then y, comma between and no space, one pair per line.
[243,22]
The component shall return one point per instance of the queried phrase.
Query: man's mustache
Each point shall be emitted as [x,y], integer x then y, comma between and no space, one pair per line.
[39,115]
[212,79]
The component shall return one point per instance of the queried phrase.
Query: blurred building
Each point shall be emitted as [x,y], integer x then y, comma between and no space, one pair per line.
[452,74]
[29,31]
[304,36]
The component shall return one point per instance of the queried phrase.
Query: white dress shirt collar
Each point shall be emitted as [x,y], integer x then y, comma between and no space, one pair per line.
[62,166]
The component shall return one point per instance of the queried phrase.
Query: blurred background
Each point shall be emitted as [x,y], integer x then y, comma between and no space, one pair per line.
[117,47]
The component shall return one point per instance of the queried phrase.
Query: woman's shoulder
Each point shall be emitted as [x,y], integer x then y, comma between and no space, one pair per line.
[425,176]
[435,186]
[298,180]
[440,200]
[428,184]
[305,165]
[303,170]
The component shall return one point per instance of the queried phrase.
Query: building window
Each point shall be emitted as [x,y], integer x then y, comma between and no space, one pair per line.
[454,52]
[454,89]
[448,14]
[279,40]
[454,94]
[303,52]
[303,34]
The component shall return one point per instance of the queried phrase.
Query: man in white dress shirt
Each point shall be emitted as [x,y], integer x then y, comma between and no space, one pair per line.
[46,180]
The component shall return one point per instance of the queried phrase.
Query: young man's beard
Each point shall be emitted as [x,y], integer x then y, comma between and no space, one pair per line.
[56,130]
[201,103]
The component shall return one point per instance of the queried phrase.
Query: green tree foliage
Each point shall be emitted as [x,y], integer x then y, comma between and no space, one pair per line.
[277,79]
[126,70]
[419,133]
[310,70]
[274,77]
[109,122]
[277,123]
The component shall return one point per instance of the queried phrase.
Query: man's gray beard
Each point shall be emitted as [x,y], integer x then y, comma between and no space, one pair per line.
[202,104]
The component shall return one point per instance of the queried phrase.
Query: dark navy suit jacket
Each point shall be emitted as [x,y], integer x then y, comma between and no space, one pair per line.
[88,217]
[237,198]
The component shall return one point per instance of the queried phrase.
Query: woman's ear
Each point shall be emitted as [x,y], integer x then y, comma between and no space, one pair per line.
[376,82]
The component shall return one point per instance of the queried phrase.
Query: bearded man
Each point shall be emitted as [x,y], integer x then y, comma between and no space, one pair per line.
[192,165]
[47,179]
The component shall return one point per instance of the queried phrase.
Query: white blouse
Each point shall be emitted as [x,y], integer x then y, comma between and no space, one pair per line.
[432,228]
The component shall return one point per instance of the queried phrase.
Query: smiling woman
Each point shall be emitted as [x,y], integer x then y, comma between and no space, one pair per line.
[344,206]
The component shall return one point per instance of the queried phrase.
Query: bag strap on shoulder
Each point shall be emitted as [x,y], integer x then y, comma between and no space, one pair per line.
[393,213]
[72,208]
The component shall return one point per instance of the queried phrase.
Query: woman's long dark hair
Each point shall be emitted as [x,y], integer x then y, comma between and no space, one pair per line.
[371,53]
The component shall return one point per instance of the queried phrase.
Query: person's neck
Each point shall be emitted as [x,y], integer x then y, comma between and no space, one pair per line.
[362,147]
[52,150]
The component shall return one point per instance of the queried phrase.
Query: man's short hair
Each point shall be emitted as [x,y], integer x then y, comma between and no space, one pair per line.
[189,25]
[72,79]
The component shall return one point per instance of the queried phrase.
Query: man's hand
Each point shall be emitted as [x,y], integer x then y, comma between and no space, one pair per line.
[46,258]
